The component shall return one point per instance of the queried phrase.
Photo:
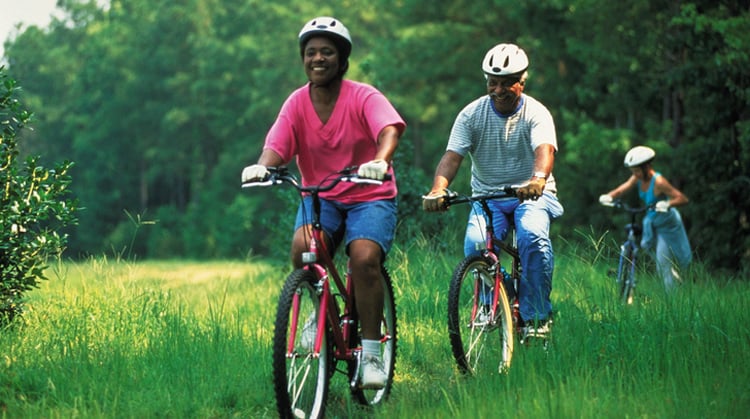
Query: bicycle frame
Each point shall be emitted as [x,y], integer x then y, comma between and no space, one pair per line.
[318,260]
[629,250]
[482,295]
[303,363]
[490,244]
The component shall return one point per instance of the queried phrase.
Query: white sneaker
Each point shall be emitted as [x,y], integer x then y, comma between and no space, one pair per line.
[541,331]
[309,331]
[373,373]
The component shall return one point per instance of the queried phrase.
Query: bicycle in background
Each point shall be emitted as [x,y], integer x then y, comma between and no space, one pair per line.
[483,312]
[316,325]
[625,275]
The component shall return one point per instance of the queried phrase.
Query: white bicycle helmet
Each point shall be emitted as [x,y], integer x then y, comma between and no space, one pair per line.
[330,27]
[639,155]
[504,60]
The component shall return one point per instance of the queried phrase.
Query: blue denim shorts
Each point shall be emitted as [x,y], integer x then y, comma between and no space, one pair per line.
[374,220]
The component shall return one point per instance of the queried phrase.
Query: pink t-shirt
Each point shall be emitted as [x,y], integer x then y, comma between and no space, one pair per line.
[348,138]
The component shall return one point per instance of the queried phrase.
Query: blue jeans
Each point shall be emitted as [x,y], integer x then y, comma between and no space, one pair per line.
[374,220]
[532,222]
[673,253]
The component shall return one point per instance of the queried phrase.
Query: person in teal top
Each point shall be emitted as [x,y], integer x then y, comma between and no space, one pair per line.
[662,224]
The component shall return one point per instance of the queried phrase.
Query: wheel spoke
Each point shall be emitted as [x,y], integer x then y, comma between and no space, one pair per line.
[480,337]
[301,377]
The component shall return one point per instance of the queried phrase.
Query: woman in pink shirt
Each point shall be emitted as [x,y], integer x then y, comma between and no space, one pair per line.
[330,124]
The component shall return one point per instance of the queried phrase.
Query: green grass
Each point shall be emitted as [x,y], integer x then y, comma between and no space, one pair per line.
[183,339]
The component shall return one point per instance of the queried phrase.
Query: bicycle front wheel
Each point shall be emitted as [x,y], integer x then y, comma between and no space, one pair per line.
[626,275]
[388,335]
[301,376]
[480,342]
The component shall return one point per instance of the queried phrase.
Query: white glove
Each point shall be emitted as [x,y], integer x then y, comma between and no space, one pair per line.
[373,169]
[605,199]
[254,173]
[662,206]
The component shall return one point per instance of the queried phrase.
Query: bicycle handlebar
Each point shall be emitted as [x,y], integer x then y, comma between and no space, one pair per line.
[281,174]
[506,191]
[619,204]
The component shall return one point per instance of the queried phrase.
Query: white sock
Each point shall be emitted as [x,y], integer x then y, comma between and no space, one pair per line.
[371,347]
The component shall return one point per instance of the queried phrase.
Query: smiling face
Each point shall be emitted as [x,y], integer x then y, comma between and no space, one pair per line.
[505,91]
[321,60]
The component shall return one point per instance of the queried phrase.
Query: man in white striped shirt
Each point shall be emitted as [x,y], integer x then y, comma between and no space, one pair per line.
[510,139]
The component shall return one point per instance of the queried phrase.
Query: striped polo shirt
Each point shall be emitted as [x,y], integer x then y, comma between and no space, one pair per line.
[501,147]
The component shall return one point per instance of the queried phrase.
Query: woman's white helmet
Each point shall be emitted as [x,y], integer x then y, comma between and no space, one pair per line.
[330,27]
[504,60]
[639,155]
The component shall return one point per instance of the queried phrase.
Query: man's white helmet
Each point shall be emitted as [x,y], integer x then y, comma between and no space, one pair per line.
[504,60]
[639,155]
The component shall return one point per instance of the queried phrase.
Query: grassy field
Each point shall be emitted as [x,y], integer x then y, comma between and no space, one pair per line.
[181,339]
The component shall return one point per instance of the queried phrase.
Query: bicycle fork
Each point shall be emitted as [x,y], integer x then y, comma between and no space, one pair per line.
[485,295]
[626,270]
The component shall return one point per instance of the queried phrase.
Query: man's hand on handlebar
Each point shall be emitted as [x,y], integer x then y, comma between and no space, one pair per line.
[435,201]
[532,190]
[254,173]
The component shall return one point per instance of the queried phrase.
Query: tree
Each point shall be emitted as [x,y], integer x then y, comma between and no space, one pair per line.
[163,102]
[33,208]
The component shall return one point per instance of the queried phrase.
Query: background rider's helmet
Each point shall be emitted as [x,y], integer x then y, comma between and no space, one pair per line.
[505,60]
[334,30]
[639,155]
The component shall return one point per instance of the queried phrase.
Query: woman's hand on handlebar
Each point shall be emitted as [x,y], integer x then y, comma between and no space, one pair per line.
[606,200]
[255,173]
[375,169]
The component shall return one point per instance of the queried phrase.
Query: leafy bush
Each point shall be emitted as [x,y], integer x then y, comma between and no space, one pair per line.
[32,208]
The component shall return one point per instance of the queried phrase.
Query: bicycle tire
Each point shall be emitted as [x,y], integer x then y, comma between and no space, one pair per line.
[474,347]
[301,378]
[389,335]
[626,275]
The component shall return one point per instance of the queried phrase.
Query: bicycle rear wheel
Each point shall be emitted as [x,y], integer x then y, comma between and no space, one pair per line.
[301,376]
[388,337]
[478,345]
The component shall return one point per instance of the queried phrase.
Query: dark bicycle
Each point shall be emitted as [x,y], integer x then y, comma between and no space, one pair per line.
[316,320]
[625,275]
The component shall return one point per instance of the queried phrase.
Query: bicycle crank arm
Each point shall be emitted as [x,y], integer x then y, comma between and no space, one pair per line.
[353,384]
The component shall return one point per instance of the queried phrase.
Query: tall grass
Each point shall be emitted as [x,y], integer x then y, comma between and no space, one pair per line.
[182,339]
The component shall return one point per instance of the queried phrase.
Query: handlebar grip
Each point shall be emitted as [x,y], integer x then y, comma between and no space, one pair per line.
[253,184]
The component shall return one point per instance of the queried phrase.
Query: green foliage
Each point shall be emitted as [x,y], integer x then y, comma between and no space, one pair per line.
[33,208]
[163,102]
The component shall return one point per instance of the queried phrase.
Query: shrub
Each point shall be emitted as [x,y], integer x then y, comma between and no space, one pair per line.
[33,208]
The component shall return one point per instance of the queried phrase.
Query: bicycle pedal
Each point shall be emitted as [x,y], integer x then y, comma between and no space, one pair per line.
[354,383]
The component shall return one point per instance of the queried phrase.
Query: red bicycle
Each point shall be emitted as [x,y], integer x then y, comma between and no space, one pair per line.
[482,300]
[316,324]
